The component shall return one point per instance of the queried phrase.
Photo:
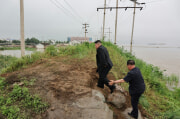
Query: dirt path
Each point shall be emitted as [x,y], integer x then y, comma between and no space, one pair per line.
[67,84]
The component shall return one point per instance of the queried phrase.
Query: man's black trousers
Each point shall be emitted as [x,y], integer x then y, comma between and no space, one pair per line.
[134,103]
[103,77]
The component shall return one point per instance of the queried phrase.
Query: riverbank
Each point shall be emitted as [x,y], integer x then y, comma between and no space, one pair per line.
[167,58]
[158,102]
[16,48]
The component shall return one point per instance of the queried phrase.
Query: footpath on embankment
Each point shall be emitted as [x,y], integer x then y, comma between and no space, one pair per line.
[69,86]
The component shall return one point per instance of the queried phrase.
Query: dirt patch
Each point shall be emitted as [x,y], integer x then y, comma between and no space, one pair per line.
[61,82]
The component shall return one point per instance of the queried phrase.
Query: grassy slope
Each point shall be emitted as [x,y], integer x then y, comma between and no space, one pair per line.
[158,101]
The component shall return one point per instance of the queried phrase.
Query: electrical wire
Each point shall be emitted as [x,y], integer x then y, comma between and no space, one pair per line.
[73,9]
[64,10]
[154,1]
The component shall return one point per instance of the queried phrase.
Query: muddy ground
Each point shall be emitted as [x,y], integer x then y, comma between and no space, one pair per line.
[61,82]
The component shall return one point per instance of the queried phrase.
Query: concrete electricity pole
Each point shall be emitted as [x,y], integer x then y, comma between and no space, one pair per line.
[22,27]
[85,28]
[104,18]
[122,8]
[133,26]
[116,22]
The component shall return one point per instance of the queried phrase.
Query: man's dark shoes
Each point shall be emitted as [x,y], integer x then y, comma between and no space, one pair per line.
[100,86]
[132,116]
[113,88]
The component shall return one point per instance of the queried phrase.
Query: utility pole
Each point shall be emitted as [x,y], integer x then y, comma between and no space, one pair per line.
[109,34]
[104,18]
[22,27]
[85,28]
[133,26]
[125,9]
[116,22]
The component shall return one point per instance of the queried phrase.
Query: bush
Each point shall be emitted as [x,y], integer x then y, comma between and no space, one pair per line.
[19,93]
[51,50]
[12,112]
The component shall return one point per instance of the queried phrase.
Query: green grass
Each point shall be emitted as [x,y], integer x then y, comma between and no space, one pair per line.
[158,100]
[16,103]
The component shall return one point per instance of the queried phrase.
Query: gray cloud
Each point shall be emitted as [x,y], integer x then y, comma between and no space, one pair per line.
[159,22]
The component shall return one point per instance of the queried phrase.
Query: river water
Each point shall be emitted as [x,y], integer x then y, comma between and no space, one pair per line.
[166,58]
[14,53]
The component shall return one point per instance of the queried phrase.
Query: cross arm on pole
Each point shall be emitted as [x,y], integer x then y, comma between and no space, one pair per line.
[119,8]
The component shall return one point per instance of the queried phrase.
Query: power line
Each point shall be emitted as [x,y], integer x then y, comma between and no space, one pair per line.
[65,8]
[60,7]
[73,9]
[154,1]
[116,13]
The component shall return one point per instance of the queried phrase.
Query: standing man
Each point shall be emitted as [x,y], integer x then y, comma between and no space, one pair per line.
[104,65]
[136,86]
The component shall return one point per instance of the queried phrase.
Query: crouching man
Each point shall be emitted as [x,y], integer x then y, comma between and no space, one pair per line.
[136,86]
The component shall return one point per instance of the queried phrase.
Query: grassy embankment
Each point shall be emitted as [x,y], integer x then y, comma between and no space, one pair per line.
[16,48]
[158,101]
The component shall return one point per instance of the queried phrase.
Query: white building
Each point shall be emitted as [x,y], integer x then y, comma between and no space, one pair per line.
[40,47]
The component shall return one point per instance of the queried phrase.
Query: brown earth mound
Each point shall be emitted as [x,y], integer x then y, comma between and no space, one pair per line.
[62,82]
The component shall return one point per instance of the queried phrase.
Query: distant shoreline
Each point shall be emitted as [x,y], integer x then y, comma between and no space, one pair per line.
[150,46]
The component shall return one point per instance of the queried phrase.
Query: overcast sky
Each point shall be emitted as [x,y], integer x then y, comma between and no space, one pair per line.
[158,22]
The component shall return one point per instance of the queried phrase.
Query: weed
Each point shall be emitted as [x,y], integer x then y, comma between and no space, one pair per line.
[2,83]
[23,99]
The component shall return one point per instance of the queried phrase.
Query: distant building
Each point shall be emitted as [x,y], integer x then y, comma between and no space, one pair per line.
[78,40]
[40,47]
[52,42]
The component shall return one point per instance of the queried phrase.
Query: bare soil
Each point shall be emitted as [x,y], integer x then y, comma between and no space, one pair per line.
[60,81]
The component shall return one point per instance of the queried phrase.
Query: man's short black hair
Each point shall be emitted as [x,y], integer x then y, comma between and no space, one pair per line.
[130,62]
[98,41]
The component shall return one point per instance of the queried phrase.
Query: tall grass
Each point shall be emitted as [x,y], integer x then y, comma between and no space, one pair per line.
[5,61]
[22,62]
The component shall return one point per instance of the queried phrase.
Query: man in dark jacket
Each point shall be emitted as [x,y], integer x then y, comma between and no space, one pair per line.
[104,64]
[136,86]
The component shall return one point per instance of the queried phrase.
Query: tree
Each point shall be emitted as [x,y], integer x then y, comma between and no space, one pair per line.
[15,41]
[3,41]
[32,41]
